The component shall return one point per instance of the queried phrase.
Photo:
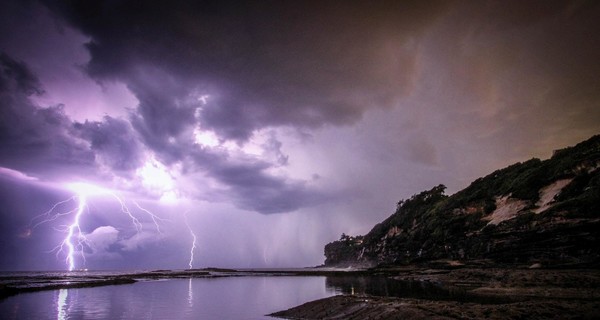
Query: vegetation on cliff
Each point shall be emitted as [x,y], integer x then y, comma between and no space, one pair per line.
[531,212]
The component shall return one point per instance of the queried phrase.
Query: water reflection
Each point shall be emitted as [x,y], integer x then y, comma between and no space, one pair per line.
[61,304]
[196,298]
[214,298]
[388,287]
[190,294]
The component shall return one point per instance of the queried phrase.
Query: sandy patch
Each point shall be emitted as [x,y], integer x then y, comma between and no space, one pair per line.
[506,209]
[548,193]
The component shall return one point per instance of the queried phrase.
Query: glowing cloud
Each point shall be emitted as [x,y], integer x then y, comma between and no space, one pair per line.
[157,179]
[206,138]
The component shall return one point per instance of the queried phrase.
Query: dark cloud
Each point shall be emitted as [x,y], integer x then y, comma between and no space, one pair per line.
[272,149]
[16,76]
[44,141]
[251,188]
[114,143]
[248,182]
[166,115]
[263,63]
[34,139]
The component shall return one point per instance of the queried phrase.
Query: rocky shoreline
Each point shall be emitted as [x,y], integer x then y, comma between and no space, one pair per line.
[493,293]
[23,282]
[368,307]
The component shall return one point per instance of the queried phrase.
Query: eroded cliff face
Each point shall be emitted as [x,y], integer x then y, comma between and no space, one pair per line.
[537,211]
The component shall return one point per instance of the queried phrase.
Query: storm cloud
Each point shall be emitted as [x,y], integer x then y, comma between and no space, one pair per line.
[261,64]
[483,66]
[45,141]
[34,139]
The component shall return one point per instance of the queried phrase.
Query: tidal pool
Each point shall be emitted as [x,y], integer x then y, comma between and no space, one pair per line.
[195,298]
[237,295]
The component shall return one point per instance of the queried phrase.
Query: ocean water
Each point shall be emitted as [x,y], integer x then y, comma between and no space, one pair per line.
[238,297]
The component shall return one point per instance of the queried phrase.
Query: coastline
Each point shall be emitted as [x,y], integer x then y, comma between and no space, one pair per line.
[415,292]
[370,307]
[473,293]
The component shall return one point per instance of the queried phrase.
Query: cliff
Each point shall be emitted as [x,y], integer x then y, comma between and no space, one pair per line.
[545,212]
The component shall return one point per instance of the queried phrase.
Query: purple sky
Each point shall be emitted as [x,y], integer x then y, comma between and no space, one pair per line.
[273,127]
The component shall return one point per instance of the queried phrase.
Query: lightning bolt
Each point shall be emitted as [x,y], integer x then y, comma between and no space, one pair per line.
[75,226]
[193,240]
[154,217]
[74,230]
[75,239]
[136,223]
[49,215]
